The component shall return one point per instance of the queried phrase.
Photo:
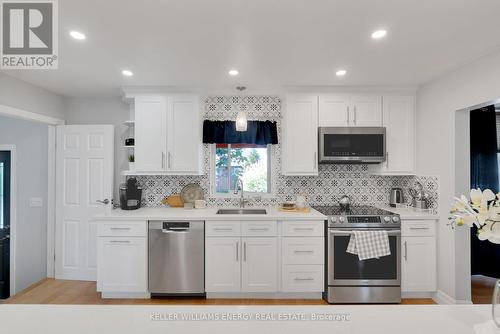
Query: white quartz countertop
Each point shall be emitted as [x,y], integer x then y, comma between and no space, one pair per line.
[204,214]
[411,213]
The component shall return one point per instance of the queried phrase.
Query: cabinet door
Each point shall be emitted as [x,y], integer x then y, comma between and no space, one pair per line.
[300,135]
[259,268]
[122,264]
[334,110]
[366,110]
[150,133]
[222,264]
[184,135]
[418,271]
[399,120]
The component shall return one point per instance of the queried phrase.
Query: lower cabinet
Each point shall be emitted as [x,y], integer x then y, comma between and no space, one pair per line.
[247,264]
[259,266]
[418,249]
[263,257]
[122,253]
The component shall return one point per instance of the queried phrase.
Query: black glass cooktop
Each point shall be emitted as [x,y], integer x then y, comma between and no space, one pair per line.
[362,210]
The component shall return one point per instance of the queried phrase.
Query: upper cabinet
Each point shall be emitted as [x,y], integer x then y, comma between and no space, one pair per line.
[300,135]
[350,110]
[399,121]
[168,134]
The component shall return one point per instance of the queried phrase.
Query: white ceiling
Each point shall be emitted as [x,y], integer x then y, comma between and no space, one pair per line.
[271,42]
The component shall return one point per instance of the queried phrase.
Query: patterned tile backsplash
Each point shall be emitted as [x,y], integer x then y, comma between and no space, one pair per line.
[332,182]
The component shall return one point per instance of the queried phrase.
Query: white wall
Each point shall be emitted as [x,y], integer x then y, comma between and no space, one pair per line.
[104,111]
[31,140]
[22,95]
[437,103]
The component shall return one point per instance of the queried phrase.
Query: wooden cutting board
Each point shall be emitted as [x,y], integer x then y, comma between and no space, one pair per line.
[174,201]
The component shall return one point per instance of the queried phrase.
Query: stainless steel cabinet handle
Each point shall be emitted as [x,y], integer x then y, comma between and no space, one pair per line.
[120,241]
[303,229]
[222,229]
[162,160]
[259,229]
[120,228]
[237,251]
[169,160]
[348,118]
[303,279]
[245,252]
[355,118]
[419,228]
[303,251]
[406,250]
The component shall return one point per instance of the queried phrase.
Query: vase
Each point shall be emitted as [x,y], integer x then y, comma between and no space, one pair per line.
[131,166]
[496,304]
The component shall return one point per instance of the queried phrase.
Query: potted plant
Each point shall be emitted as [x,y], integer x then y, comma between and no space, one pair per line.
[131,162]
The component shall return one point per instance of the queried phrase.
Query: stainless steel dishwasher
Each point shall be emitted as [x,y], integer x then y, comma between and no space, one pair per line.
[176,257]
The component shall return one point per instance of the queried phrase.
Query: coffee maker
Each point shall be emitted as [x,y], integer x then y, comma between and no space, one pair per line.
[130,195]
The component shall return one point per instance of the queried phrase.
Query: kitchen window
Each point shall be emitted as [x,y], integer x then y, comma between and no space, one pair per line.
[251,163]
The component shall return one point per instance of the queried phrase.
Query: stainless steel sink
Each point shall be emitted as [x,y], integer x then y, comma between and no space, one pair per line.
[241,212]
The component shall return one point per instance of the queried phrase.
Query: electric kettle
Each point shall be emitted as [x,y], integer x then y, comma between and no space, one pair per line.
[397,197]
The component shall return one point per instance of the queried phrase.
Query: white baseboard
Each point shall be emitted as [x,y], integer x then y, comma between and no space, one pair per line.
[417,295]
[125,295]
[276,295]
[442,298]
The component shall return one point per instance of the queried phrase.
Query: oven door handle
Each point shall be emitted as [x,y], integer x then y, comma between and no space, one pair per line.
[351,232]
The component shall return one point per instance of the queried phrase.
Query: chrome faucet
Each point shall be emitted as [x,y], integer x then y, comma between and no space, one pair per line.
[238,185]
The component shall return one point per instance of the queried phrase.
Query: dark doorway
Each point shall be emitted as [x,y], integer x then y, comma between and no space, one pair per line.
[4,224]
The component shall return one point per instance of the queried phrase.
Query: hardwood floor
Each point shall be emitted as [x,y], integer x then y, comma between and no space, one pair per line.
[51,291]
[482,289]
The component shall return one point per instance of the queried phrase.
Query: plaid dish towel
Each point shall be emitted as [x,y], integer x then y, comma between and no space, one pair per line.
[369,244]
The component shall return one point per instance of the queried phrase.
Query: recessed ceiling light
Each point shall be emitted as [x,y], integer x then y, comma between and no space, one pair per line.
[341,73]
[379,34]
[77,35]
[127,73]
[233,73]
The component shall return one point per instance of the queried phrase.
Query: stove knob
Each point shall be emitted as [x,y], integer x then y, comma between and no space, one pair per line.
[334,219]
[341,219]
[387,219]
[395,219]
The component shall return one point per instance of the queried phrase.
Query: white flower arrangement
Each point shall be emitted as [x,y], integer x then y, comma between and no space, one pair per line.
[482,210]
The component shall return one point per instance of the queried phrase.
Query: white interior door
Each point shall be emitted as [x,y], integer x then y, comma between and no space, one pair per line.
[84,176]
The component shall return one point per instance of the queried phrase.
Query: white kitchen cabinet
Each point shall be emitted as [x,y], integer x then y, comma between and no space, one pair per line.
[150,133]
[260,261]
[334,110]
[122,265]
[399,121]
[418,249]
[350,110]
[184,135]
[300,135]
[168,134]
[366,110]
[223,264]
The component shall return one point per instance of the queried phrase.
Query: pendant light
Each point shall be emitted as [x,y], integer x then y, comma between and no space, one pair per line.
[241,121]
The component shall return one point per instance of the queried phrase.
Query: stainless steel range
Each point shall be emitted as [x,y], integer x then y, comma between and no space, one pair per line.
[350,280]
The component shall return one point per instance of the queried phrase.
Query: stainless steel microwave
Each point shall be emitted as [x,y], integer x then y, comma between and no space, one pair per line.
[352,145]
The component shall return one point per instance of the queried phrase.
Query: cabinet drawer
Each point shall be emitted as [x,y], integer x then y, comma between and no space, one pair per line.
[418,228]
[223,228]
[122,229]
[303,250]
[258,228]
[303,228]
[303,278]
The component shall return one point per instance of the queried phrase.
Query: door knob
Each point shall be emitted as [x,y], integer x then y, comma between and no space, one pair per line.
[105,202]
